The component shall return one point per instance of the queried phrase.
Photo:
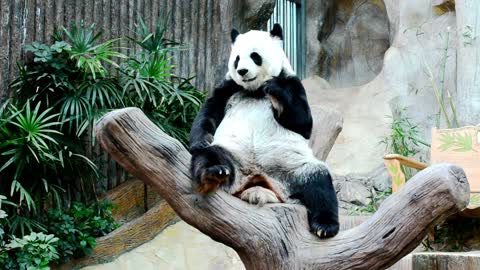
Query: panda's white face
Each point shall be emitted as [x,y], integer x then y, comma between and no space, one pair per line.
[256,57]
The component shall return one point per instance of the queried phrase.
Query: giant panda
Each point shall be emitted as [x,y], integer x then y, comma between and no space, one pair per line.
[250,138]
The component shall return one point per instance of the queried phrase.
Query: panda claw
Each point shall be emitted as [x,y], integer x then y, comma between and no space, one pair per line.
[212,178]
[324,230]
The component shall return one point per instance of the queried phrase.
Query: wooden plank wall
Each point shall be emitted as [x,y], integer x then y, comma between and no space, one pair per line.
[203,25]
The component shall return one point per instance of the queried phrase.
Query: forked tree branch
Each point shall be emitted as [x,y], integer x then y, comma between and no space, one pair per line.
[276,236]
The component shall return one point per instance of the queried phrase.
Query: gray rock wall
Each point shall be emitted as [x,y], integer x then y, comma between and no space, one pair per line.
[346,40]
[418,44]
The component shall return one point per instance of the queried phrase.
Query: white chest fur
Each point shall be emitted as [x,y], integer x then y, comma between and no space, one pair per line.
[251,133]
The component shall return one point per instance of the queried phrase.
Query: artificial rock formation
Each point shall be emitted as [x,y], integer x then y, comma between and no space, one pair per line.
[276,236]
[426,48]
[346,40]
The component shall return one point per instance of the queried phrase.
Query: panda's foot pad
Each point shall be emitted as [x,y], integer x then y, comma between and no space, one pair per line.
[259,196]
[324,230]
[212,178]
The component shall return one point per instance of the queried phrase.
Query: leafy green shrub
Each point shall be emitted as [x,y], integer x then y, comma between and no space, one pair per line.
[71,78]
[89,56]
[148,83]
[72,233]
[34,251]
[37,165]
[404,139]
[46,128]
[377,198]
[57,98]
[78,227]
[456,234]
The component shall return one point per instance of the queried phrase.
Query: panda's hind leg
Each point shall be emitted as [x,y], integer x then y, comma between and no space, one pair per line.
[259,195]
[313,187]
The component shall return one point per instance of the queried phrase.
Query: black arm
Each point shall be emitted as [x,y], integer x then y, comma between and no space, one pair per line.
[211,166]
[211,114]
[294,113]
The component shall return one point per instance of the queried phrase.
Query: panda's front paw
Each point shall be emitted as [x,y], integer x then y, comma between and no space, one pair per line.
[324,230]
[211,167]
[273,87]
[212,177]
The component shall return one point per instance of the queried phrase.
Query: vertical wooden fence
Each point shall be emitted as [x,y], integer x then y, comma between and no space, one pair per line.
[202,25]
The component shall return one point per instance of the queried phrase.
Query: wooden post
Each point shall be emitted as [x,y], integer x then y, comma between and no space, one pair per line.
[276,236]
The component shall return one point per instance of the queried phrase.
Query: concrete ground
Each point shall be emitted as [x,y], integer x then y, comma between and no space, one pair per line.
[178,247]
[182,247]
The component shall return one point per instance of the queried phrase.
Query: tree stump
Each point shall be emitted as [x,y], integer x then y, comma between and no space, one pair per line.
[276,236]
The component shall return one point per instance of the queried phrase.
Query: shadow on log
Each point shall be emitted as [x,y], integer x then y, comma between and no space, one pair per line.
[276,236]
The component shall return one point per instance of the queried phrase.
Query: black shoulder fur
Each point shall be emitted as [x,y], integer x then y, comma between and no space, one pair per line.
[211,114]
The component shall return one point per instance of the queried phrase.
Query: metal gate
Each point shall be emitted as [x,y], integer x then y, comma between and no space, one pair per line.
[290,14]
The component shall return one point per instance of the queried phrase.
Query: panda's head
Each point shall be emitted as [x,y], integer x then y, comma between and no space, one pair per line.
[256,57]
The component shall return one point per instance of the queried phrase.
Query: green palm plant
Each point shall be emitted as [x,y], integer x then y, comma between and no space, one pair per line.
[28,136]
[58,97]
[71,76]
[31,140]
[179,110]
[149,82]
[154,41]
[88,55]
[103,93]
[74,111]
[147,79]
[80,108]
[37,162]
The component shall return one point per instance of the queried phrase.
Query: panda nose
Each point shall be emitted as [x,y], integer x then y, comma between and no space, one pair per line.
[242,71]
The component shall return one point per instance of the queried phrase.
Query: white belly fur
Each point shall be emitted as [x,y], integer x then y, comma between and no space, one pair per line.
[251,133]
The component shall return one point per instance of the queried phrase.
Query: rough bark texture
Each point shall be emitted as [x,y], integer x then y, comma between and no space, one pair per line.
[276,236]
[132,199]
[327,124]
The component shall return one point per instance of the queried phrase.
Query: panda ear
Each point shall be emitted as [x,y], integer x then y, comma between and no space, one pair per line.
[277,31]
[234,34]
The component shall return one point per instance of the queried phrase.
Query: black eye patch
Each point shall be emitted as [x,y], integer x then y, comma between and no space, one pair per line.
[235,64]
[257,59]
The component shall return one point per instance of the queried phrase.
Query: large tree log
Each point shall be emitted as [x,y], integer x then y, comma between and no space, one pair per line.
[276,236]
[327,124]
